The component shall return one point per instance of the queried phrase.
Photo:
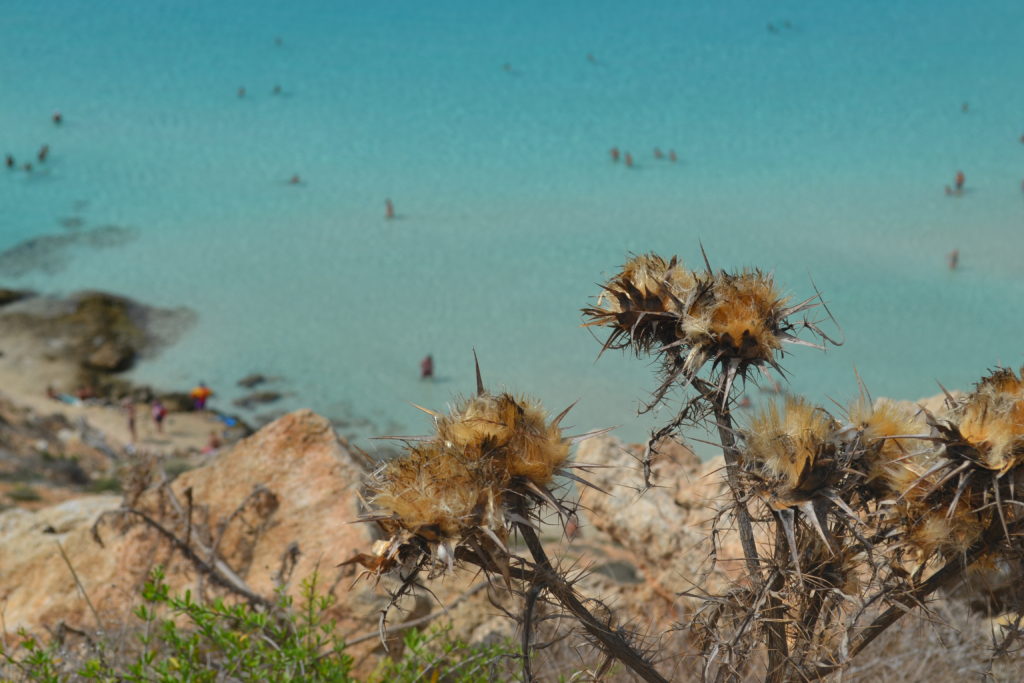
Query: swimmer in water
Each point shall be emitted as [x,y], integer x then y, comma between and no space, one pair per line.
[614,151]
[58,118]
[295,180]
[658,154]
[672,156]
[10,161]
[44,152]
[960,181]
[241,92]
[953,259]
[389,213]
[629,160]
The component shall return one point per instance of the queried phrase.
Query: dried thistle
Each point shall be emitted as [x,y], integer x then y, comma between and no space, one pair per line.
[792,453]
[896,445]
[735,321]
[490,463]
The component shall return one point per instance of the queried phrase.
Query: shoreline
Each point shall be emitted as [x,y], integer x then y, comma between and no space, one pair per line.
[58,346]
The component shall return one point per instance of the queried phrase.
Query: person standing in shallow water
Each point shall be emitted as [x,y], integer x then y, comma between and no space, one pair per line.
[953,259]
[427,367]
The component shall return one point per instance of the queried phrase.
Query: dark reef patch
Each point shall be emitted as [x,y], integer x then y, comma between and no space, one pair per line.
[51,253]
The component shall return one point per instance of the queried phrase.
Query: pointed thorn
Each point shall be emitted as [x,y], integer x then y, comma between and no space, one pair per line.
[581,480]
[428,411]
[479,380]
[561,415]
[706,262]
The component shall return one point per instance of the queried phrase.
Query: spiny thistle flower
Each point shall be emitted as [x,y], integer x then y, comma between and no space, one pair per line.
[895,442]
[644,303]
[529,446]
[733,320]
[793,452]
[991,422]
[965,488]
[491,461]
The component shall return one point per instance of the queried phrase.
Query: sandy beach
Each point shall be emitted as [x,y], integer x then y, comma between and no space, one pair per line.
[39,359]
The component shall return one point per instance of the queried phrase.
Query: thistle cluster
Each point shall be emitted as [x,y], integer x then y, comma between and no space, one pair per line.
[901,486]
[492,460]
[732,320]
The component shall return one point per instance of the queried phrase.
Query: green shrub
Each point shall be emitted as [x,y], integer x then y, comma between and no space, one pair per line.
[180,639]
[435,655]
[176,638]
[23,493]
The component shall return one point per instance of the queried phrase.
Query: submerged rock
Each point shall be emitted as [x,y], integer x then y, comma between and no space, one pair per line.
[257,398]
[102,333]
[249,381]
[9,296]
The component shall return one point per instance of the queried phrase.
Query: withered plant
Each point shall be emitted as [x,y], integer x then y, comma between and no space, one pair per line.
[847,522]
[461,495]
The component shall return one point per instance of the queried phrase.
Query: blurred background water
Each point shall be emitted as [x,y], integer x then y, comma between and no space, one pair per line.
[813,140]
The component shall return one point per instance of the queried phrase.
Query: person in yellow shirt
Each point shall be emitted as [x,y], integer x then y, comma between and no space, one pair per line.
[199,396]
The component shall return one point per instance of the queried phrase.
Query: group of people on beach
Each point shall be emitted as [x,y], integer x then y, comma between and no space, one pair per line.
[157,410]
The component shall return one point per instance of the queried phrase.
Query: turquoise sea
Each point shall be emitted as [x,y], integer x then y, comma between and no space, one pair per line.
[813,139]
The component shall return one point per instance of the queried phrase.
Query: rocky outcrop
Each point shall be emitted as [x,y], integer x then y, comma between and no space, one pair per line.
[666,529]
[276,509]
[9,296]
[102,333]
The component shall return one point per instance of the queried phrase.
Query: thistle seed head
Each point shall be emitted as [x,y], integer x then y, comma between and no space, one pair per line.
[892,458]
[990,422]
[512,432]
[734,320]
[432,492]
[793,449]
[490,456]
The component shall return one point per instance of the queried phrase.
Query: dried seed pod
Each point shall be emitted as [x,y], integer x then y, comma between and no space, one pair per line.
[990,421]
[733,320]
[492,459]
[896,447]
[432,492]
[644,303]
[512,432]
[794,451]
[747,319]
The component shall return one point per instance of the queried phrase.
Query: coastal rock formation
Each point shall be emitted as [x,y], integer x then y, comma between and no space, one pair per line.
[100,333]
[664,530]
[9,296]
[256,398]
[275,509]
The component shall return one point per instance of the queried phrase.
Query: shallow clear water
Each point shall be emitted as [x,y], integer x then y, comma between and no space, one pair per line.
[818,151]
